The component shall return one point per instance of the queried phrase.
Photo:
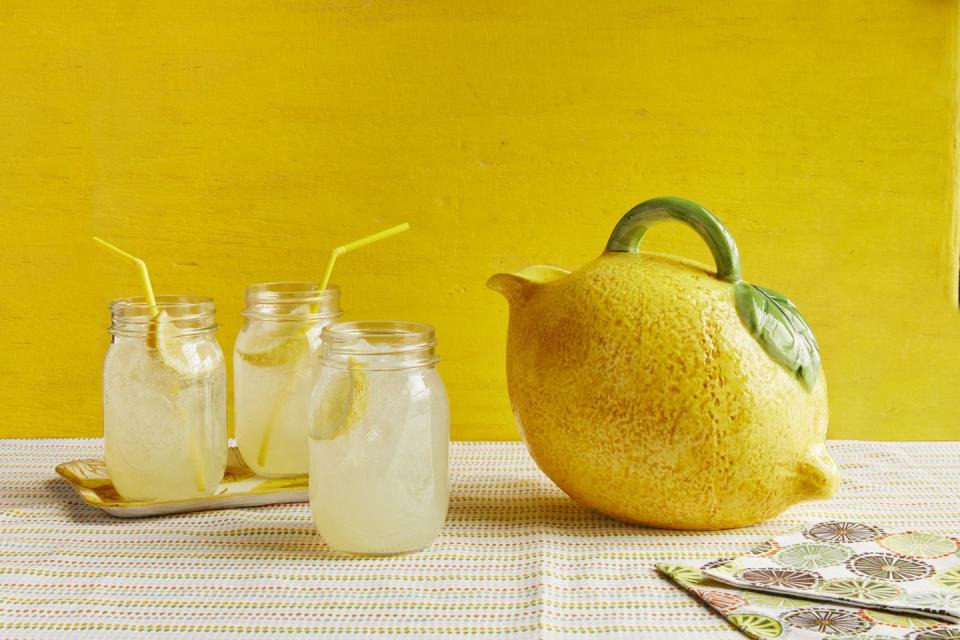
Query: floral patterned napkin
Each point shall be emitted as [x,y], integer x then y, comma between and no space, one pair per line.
[836,580]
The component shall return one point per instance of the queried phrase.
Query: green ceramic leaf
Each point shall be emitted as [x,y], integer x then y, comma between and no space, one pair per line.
[771,318]
[777,324]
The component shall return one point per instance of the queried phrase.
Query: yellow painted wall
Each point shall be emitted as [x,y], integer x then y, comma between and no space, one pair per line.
[236,141]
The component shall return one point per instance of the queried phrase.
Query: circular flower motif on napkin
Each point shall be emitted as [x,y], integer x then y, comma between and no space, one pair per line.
[756,625]
[839,531]
[916,544]
[682,574]
[812,555]
[950,579]
[935,599]
[723,601]
[827,620]
[767,548]
[900,620]
[862,589]
[727,566]
[776,600]
[936,634]
[781,578]
[886,566]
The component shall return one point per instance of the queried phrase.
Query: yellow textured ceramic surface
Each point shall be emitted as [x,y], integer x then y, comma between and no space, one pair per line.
[640,392]
[228,142]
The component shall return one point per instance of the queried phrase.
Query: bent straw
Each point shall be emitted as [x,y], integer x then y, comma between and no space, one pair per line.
[141,269]
[356,244]
[337,252]
[197,451]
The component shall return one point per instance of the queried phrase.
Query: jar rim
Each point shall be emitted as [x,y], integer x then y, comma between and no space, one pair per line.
[401,344]
[412,332]
[177,307]
[284,300]
[281,290]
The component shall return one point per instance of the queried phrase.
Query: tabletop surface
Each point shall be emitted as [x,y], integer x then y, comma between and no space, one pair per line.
[516,558]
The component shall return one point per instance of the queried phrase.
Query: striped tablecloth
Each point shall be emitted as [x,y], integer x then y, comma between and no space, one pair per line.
[517,558]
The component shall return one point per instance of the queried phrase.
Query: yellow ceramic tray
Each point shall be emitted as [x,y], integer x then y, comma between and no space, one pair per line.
[240,487]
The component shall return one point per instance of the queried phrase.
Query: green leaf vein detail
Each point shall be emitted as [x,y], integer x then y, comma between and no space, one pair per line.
[780,328]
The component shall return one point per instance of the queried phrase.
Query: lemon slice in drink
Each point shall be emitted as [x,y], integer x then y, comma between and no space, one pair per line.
[275,349]
[272,350]
[189,356]
[343,404]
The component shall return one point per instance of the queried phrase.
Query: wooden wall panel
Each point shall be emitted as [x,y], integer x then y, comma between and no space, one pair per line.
[234,142]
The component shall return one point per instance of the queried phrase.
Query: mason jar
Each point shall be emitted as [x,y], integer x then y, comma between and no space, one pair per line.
[164,399]
[274,367]
[379,438]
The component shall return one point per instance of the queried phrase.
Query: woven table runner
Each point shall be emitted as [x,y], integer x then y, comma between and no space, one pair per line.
[517,558]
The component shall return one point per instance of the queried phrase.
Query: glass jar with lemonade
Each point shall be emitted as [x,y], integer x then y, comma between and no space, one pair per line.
[164,399]
[274,367]
[379,437]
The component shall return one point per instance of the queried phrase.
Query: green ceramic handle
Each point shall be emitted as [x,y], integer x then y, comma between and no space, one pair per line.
[630,230]
[770,317]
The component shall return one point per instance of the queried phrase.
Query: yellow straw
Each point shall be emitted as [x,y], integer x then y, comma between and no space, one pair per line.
[337,252]
[198,465]
[356,244]
[141,269]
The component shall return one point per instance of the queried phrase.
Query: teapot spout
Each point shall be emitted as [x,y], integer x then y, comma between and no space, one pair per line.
[515,287]
[819,477]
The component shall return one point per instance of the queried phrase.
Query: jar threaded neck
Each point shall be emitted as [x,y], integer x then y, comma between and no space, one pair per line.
[379,345]
[279,301]
[185,315]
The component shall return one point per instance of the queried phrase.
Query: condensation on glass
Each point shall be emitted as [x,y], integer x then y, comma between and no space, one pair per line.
[164,399]
[379,438]
[274,368]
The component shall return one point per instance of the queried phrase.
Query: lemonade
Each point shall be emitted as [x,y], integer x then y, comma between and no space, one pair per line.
[164,400]
[379,437]
[274,368]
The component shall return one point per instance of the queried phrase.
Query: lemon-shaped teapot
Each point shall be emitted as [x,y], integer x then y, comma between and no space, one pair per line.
[662,393]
